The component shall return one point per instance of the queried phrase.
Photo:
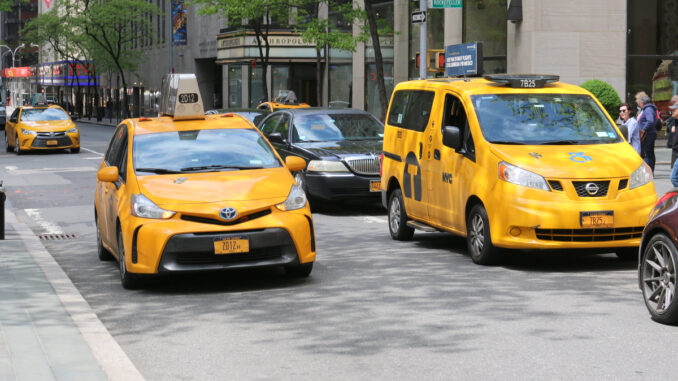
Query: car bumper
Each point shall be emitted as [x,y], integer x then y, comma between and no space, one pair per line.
[530,219]
[341,186]
[32,142]
[178,245]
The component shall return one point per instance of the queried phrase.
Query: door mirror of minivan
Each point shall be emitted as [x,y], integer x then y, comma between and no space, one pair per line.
[108,174]
[451,137]
[276,137]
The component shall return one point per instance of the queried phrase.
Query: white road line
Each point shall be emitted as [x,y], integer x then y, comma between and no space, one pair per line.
[92,158]
[11,168]
[48,227]
[50,170]
[91,151]
[373,220]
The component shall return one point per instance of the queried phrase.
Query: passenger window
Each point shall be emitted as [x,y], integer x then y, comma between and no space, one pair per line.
[455,115]
[15,116]
[411,109]
[269,124]
[114,145]
[122,168]
[284,126]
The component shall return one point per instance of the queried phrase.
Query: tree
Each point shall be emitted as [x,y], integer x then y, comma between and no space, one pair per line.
[606,95]
[378,27]
[256,15]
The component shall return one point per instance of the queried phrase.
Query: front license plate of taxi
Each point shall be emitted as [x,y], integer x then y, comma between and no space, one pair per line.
[375,186]
[232,245]
[52,142]
[602,219]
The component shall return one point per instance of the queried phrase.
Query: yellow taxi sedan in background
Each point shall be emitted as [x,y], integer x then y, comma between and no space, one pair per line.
[187,192]
[40,128]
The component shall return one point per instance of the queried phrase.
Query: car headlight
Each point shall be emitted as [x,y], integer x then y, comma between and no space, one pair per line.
[28,132]
[515,175]
[295,200]
[145,208]
[326,166]
[72,130]
[640,176]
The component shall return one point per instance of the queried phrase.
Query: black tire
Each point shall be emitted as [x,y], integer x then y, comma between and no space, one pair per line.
[299,271]
[129,280]
[7,147]
[104,255]
[75,150]
[479,239]
[658,278]
[17,147]
[627,254]
[397,218]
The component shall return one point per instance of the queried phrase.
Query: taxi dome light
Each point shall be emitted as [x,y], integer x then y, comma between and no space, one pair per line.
[181,97]
[522,81]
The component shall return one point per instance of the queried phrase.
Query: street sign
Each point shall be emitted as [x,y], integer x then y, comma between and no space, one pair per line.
[464,59]
[418,17]
[445,3]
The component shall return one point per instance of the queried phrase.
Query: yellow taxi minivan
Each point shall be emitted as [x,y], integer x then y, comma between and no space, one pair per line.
[188,192]
[41,128]
[512,161]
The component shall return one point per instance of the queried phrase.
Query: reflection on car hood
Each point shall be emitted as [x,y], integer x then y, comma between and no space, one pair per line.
[49,125]
[343,148]
[593,161]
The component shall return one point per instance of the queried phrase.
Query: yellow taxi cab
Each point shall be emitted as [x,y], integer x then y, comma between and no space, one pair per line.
[512,161]
[188,192]
[286,99]
[41,128]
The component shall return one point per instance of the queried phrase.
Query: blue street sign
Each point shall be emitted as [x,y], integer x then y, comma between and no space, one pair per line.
[464,59]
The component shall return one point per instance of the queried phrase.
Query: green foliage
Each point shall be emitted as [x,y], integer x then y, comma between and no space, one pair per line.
[322,32]
[606,95]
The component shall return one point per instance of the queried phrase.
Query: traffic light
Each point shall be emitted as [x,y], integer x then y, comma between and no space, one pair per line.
[416,60]
[440,60]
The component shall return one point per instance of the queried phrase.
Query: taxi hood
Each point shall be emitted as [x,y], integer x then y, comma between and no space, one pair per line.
[48,125]
[594,161]
[210,187]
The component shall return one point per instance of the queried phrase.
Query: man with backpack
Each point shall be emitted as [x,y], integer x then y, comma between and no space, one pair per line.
[649,123]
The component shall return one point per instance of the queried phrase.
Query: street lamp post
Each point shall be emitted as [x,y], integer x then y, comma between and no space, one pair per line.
[14,53]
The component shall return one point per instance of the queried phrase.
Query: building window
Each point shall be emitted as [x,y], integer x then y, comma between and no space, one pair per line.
[235,86]
[340,66]
[255,85]
[384,14]
[280,76]
[485,21]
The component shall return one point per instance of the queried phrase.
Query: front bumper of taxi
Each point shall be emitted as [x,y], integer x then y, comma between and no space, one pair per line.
[524,218]
[47,140]
[185,244]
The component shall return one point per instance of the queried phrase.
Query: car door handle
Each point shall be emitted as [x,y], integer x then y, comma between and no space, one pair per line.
[421,148]
[436,154]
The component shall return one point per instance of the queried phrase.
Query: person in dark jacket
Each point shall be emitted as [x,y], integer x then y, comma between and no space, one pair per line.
[647,121]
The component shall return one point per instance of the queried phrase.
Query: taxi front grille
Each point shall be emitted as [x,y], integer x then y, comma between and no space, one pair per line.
[367,166]
[623,183]
[214,221]
[51,135]
[589,235]
[60,141]
[556,185]
[205,258]
[599,188]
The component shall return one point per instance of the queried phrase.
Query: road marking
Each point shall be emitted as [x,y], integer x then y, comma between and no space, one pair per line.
[11,168]
[92,158]
[48,227]
[49,170]
[373,220]
[91,151]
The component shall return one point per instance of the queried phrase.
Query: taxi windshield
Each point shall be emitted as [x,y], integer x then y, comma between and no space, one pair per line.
[336,127]
[558,119]
[202,151]
[42,114]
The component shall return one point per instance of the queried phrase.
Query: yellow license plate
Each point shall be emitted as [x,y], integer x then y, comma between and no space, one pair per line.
[604,219]
[233,245]
[52,142]
[375,186]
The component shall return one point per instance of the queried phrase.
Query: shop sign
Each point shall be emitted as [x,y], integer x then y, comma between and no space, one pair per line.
[17,72]
[464,59]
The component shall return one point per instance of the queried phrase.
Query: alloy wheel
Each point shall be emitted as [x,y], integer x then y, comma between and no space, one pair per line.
[659,277]
[394,214]
[477,233]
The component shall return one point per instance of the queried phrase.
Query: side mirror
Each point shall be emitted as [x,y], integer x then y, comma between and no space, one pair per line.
[451,137]
[295,163]
[108,174]
[276,137]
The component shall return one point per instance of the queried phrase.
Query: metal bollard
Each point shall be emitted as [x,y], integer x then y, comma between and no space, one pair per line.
[2,211]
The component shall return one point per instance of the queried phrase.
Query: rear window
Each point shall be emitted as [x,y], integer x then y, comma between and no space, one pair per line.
[411,109]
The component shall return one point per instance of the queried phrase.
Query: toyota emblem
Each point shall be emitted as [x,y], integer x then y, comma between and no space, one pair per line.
[591,189]
[228,213]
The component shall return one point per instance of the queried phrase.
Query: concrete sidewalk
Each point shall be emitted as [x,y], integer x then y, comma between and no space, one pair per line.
[47,330]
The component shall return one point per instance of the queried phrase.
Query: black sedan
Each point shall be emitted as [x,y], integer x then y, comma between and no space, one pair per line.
[252,114]
[658,259]
[342,148]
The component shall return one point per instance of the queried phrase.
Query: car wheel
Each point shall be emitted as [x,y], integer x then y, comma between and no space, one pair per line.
[299,271]
[658,279]
[478,238]
[104,255]
[129,281]
[7,147]
[75,150]
[397,218]
[17,148]
[627,254]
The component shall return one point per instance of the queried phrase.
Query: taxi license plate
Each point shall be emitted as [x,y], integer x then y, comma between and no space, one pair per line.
[232,245]
[375,186]
[602,219]
[52,142]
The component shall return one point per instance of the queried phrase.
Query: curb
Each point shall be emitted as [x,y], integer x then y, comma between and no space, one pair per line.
[107,352]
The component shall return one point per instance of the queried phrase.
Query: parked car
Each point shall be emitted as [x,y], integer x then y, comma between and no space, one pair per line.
[342,148]
[252,114]
[3,116]
[658,259]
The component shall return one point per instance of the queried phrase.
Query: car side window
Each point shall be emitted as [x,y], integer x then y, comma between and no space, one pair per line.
[269,124]
[455,115]
[122,168]
[284,126]
[15,116]
[411,109]
[113,153]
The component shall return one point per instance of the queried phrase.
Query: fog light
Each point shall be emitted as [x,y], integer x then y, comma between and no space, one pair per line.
[515,231]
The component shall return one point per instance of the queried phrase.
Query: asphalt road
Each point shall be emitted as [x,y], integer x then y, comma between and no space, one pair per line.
[372,308]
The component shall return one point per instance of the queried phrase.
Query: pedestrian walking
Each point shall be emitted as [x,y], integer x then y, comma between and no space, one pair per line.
[674,153]
[671,124]
[647,122]
[628,115]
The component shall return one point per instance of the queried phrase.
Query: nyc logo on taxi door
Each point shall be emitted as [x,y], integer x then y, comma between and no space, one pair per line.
[579,157]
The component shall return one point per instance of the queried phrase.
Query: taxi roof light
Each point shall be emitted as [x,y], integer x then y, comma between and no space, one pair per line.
[523,81]
[181,97]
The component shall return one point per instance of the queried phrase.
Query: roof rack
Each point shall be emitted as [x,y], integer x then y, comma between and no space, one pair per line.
[522,81]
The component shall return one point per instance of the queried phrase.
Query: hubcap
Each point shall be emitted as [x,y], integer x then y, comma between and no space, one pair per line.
[477,234]
[394,215]
[659,277]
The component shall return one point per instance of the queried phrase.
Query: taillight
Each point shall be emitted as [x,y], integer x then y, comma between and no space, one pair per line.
[665,197]
[381,164]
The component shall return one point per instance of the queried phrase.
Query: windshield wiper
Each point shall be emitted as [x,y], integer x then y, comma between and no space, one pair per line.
[507,142]
[216,166]
[157,170]
[561,142]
